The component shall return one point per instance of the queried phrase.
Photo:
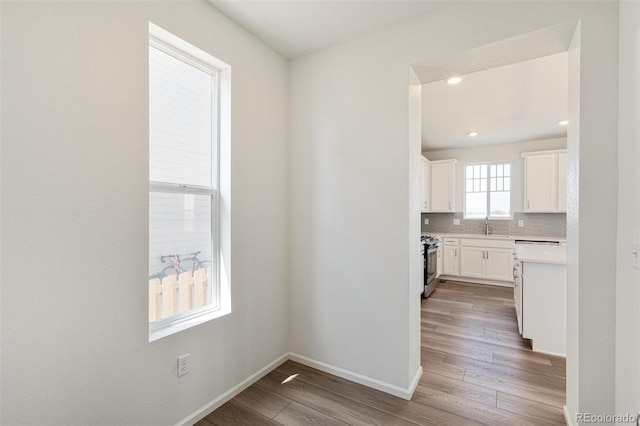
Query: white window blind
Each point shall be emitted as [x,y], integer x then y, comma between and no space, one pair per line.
[181,125]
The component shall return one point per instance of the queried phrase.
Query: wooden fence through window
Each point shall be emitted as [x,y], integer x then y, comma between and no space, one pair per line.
[176,294]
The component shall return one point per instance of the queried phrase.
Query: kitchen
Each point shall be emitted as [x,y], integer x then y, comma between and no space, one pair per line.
[493,225]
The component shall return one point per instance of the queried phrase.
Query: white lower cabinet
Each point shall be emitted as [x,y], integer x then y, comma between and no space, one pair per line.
[472,262]
[499,265]
[451,257]
[486,259]
[439,262]
[517,292]
[544,306]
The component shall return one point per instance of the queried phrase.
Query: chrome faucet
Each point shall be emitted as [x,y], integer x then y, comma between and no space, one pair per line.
[486,226]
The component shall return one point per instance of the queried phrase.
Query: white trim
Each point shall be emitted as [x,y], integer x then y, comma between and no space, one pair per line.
[404,393]
[414,383]
[217,402]
[547,352]
[164,38]
[567,416]
[181,188]
[220,100]
[179,322]
[442,161]
[443,277]
[488,164]
[552,151]
[201,412]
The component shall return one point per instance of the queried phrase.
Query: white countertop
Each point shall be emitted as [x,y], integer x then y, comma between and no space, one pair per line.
[538,253]
[496,236]
[541,253]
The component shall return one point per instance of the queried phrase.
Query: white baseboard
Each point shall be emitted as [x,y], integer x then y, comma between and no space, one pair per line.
[567,416]
[475,280]
[414,383]
[201,412]
[359,378]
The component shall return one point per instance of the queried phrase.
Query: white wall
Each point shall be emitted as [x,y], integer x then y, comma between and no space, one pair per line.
[416,259]
[349,187]
[573,229]
[503,152]
[596,213]
[628,279]
[74,176]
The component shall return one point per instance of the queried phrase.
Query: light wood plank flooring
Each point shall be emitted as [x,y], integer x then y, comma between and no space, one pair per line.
[477,370]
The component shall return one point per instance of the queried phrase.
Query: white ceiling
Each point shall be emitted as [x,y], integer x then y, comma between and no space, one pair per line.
[295,28]
[513,103]
[507,95]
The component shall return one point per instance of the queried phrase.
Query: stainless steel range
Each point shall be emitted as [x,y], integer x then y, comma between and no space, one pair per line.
[430,263]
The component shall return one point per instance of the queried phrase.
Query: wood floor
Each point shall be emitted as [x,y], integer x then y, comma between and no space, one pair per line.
[477,370]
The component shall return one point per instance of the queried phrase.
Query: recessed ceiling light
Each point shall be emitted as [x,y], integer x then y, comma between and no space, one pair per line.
[563,122]
[454,80]
[473,133]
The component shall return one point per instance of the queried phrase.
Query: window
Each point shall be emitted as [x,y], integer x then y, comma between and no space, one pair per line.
[184,120]
[487,191]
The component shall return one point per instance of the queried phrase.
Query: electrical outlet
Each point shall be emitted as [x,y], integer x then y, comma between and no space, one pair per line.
[456,221]
[521,223]
[426,221]
[183,365]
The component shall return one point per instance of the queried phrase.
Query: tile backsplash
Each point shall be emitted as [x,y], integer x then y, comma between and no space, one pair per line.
[535,224]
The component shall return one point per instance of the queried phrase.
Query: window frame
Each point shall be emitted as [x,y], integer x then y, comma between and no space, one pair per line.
[220,72]
[488,165]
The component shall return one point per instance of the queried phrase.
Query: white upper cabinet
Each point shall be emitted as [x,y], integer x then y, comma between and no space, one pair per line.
[426,185]
[562,182]
[443,175]
[542,181]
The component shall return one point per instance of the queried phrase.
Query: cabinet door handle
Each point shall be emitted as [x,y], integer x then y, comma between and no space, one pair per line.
[449,205]
[487,255]
[528,204]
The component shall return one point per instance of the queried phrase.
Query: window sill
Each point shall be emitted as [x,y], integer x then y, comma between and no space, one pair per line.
[168,327]
[490,219]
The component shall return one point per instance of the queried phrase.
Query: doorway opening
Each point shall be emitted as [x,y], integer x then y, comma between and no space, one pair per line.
[468,327]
